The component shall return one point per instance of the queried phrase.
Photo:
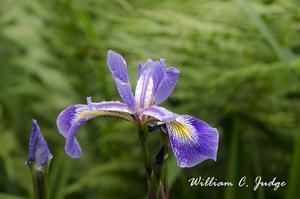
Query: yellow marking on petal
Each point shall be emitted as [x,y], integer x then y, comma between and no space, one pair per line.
[108,113]
[181,129]
[85,113]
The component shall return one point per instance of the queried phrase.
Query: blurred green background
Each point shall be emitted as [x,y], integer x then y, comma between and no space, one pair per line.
[239,71]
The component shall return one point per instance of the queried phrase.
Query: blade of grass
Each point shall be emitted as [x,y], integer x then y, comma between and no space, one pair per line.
[293,190]
[56,165]
[256,166]
[174,171]
[65,174]
[233,161]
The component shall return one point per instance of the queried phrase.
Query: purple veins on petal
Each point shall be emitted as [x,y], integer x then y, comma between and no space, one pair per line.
[192,142]
[69,120]
[68,116]
[68,125]
[72,146]
[38,149]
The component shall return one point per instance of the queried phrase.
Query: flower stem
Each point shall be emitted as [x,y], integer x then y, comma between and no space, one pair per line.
[165,141]
[143,135]
[40,181]
[158,175]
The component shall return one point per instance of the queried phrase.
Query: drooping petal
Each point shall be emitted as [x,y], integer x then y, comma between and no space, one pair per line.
[167,86]
[38,149]
[192,142]
[117,66]
[70,120]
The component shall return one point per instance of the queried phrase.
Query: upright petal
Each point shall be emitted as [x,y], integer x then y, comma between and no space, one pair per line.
[144,87]
[154,83]
[139,72]
[70,120]
[192,142]
[167,86]
[149,79]
[38,149]
[117,66]
[158,75]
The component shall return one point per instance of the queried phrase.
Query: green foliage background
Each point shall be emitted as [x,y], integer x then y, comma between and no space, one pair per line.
[239,71]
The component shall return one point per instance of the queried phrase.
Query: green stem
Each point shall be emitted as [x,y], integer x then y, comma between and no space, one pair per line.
[146,159]
[143,135]
[40,181]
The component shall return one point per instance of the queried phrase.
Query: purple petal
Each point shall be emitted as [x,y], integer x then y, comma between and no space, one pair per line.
[163,114]
[149,79]
[91,105]
[70,120]
[167,85]
[65,120]
[38,149]
[72,146]
[140,69]
[158,75]
[117,66]
[193,142]
[144,87]
[154,83]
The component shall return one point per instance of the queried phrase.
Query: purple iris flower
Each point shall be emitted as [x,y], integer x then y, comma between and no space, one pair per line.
[38,149]
[192,140]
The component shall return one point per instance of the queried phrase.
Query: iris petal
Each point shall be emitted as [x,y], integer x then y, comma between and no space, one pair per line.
[167,86]
[70,120]
[158,74]
[154,83]
[192,142]
[144,87]
[117,66]
[162,114]
[38,149]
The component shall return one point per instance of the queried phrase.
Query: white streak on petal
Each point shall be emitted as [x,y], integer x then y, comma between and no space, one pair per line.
[144,91]
[138,91]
